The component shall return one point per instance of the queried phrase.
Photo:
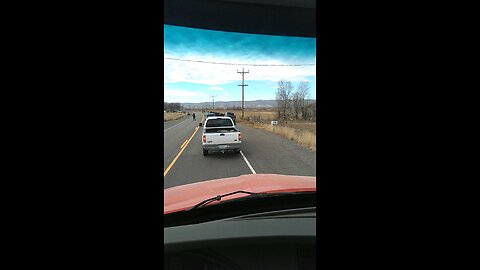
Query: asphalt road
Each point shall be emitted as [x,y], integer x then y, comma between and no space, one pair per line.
[175,133]
[265,152]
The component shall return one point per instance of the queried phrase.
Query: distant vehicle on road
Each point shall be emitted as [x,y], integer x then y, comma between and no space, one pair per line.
[207,115]
[216,113]
[231,115]
[220,134]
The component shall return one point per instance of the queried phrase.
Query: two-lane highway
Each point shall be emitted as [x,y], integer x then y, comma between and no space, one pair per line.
[262,152]
[176,133]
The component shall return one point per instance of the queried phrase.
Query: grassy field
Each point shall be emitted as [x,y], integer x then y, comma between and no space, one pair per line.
[169,116]
[303,125]
[302,132]
[253,116]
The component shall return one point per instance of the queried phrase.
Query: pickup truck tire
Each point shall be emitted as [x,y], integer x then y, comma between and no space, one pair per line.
[236,151]
[205,152]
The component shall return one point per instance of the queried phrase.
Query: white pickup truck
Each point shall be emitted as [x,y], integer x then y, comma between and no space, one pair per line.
[220,134]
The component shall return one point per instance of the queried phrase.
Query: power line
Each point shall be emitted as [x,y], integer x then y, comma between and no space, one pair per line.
[237,64]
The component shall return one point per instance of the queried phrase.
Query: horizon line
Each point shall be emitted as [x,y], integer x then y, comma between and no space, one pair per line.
[229,101]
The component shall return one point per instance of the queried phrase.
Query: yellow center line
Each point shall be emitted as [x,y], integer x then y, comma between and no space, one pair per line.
[179,153]
[183,144]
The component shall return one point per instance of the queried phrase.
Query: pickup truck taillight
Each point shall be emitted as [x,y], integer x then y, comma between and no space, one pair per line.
[204,138]
[239,136]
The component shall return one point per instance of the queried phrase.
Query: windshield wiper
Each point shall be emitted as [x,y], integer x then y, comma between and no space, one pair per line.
[219,197]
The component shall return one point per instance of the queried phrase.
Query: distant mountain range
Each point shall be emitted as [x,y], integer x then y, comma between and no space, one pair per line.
[231,104]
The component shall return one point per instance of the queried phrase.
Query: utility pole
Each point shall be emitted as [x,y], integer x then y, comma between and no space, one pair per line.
[213,100]
[242,85]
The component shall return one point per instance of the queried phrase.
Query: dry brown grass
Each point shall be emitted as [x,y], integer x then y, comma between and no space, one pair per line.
[303,125]
[254,116]
[302,132]
[303,137]
[169,116]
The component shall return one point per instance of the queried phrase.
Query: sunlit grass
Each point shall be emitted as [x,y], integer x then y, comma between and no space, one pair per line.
[169,116]
[303,137]
[302,132]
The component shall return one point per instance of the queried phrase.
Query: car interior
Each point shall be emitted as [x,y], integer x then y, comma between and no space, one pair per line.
[275,232]
[272,232]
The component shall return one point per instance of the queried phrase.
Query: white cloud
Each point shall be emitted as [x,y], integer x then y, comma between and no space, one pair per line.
[212,74]
[218,88]
[178,95]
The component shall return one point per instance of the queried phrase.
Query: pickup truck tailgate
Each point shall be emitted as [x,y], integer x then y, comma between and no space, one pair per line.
[222,138]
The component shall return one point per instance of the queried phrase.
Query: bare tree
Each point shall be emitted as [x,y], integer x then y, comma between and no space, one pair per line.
[169,107]
[283,96]
[296,104]
[299,99]
[311,111]
[303,90]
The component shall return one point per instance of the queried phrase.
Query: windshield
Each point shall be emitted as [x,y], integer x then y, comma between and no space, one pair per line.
[266,84]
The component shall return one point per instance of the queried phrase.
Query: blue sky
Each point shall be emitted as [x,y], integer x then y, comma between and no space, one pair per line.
[187,81]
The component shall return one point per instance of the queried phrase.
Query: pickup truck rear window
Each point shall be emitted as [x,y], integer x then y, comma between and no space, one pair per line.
[219,123]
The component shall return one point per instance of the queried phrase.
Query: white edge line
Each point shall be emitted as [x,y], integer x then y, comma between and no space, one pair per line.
[248,163]
[175,125]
